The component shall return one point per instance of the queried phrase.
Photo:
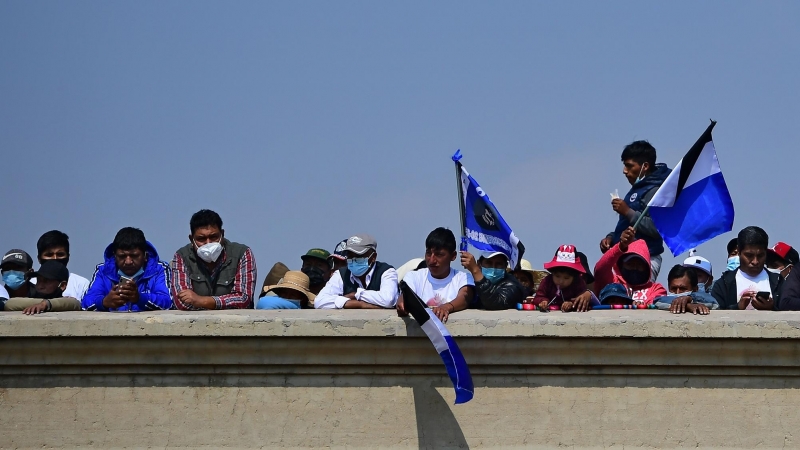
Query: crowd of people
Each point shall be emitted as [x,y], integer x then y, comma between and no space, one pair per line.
[212,272]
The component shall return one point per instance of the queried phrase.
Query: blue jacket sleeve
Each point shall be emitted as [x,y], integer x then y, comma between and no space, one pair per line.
[159,296]
[98,289]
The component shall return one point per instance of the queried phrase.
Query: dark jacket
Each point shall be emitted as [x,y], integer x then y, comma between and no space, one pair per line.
[348,287]
[724,290]
[790,293]
[505,294]
[637,199]
[153,285]
[222,282]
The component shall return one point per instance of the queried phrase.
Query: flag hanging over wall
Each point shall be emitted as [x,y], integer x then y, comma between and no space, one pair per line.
[483,226]
[444,344]
[693,205]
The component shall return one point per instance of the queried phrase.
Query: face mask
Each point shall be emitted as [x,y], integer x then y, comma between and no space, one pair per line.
[673,295]
[135,276]
[14,279]
[701,287]
[493,275]
[358,266]
[733,263]
[635,277]
[775,271]
[55,294]
[641,175]
[210,252]
[315,275]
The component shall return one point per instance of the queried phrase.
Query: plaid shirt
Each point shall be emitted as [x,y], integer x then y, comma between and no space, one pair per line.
[244,284]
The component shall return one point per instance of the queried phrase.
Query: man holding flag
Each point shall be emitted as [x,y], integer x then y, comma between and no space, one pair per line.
[484,228]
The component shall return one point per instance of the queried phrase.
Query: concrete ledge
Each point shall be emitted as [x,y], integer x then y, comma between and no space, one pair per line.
[368,379]
[357,323]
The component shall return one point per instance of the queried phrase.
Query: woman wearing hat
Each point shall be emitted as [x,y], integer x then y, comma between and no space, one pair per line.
[291,292]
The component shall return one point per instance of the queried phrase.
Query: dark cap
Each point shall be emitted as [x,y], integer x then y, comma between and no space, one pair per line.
[317,253]
[52,270]
[360,244]
[338,252]
[614,290]
[18,257]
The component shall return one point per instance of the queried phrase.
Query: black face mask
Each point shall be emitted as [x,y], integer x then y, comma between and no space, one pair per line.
[315,275]
[63,261]
[58,293]
[635,277]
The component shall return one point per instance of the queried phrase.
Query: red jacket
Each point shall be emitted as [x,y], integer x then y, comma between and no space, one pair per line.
[606,272]
[548,290]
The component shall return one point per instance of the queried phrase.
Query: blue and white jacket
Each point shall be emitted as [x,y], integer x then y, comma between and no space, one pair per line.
[153,284]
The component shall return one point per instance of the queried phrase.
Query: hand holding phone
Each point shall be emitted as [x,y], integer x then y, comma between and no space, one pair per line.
[764,295]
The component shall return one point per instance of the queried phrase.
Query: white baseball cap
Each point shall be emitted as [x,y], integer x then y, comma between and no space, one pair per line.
[698,262]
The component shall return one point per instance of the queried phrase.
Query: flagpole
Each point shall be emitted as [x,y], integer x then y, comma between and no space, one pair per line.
[456,159]
[646,209]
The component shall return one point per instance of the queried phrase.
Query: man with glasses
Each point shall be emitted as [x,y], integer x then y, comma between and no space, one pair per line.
[365,283]
[212,272]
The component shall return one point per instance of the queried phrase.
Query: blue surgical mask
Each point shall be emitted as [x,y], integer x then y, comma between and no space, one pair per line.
[13,279]
[701,287]
[493,275]
[358,266]
[733,263]
[135,276]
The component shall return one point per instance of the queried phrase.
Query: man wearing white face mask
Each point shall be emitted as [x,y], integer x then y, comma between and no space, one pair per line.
[212,272]
[365,283]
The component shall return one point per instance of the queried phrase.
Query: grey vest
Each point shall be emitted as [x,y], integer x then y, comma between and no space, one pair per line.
[202,283]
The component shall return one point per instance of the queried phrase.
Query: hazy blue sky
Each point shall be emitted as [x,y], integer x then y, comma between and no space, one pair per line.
[302,123]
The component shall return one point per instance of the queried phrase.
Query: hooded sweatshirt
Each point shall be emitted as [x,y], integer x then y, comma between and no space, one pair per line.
[637,199]
[153,285]
[607,271]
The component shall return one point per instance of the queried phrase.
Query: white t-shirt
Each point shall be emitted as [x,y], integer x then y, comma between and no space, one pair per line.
[76,286]
[436,292]
[759,283]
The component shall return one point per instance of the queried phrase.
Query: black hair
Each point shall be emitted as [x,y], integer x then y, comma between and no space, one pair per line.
[679,271]
[130,238]
[565,270]
[641,152]
[205,218]
[733,244]
[422,265]
[441,238]
[754,236]
[53,238]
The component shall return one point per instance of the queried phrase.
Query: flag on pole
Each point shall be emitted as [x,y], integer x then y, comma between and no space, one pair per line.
[483,225]
[693,204]
[444,344]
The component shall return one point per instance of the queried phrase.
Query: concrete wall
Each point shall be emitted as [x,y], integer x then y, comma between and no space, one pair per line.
[368,379]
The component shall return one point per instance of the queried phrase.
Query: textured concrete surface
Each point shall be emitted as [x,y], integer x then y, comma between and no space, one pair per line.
[597,324]
[368,379]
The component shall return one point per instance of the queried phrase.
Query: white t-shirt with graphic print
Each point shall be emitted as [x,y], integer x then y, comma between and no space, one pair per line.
[436,292]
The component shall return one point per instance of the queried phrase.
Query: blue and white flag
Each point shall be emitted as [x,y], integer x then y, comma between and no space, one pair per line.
[444,344]
[693,205]
[484,227]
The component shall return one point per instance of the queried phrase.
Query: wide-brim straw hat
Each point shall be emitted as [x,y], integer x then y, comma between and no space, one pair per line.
[536,275]
[296,281]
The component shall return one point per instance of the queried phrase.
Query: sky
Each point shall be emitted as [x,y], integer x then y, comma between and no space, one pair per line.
[302,123]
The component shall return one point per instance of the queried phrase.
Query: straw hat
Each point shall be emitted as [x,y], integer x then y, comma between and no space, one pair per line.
[296,281]
[537,275]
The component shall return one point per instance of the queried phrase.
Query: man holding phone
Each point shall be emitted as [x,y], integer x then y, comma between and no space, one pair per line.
[750,286]
[131,279]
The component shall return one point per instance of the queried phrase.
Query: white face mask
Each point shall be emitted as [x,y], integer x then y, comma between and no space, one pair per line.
[775,271]
[209,252]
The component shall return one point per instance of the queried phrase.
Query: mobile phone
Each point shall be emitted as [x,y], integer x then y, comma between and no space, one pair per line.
[124,279]
[764,295]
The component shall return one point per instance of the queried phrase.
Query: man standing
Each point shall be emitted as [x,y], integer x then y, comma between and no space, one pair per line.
[54,246]
[365,283]
[131,279]
[212,272]
[645,176]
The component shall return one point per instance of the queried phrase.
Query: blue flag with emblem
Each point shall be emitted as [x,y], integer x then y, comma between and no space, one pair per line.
[482,226]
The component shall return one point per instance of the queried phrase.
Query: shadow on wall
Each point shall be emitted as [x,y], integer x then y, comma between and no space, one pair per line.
[437,427]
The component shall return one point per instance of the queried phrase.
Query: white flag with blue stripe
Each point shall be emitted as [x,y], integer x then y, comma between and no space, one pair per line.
[693,204]
[445,345]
